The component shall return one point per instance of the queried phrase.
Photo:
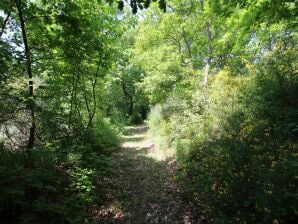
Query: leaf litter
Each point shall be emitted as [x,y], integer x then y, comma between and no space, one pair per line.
[142,189]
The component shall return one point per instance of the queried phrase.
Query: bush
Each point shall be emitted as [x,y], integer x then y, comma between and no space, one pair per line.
[34,189]
[243,166]
[55,184]
[237,152]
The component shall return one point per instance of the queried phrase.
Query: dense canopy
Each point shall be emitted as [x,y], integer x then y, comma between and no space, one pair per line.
[214,81]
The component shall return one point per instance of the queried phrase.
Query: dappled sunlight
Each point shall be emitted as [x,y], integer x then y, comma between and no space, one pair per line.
[161,155]
[142,188]
[111,211]
[148,111]
[137,137]
[141,140]
[135,129]
[145,144]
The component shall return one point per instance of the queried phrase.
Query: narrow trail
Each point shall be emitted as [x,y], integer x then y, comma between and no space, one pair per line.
[142,187]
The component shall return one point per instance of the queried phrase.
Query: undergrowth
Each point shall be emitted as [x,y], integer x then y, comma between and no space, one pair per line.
[237,153]
[55,184]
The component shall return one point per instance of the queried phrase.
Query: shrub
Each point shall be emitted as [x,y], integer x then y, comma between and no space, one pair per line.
[243,165]
[55,184]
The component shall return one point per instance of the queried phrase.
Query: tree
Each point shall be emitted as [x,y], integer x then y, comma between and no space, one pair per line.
[230,144]
[29,72]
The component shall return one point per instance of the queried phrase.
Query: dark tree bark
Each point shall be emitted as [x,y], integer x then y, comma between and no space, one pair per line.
[5,22]
[31,102]
[128,96]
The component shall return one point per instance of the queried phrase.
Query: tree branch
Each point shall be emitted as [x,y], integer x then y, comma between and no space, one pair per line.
[5,22]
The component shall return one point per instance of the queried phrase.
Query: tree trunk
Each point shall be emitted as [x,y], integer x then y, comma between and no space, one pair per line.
[128,96]
[91,114]
[209,57]
[31,102]
[188,47]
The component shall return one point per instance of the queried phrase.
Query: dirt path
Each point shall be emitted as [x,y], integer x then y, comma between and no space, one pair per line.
[142,188]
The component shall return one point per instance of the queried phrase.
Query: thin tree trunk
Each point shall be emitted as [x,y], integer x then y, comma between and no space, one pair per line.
[188,47]
[86,99]
[92,114]
[208,61]
[129,97]
[72,92]
[5,22]
[209,57]
[31,103]
[88,110]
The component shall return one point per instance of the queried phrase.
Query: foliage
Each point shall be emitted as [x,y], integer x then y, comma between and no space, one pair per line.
[220,78]
[53,184]
[141,4]
[70,46]
[126,102]
[227,103]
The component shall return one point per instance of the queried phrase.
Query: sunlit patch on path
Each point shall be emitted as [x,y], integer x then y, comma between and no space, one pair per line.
[138,141]
[142,188]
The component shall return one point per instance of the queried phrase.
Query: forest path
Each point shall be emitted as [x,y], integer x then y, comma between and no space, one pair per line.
[142,189]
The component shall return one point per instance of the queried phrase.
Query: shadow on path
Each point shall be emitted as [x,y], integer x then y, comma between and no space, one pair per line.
[141,188]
